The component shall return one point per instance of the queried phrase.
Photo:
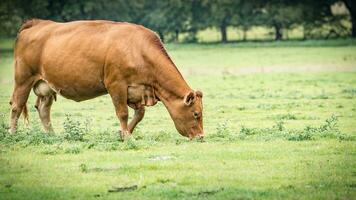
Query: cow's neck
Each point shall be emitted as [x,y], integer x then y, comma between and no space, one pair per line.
[170,85]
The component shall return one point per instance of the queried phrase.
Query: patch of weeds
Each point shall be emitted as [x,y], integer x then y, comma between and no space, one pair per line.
[163,180]
[35,136]
[329,129]
[248,131]
[31,135]
[265,133]
[300,135]
[74,130]
[138,133]
[83,168]
[350,92]
[267,106]
[3,126]
[104,140]
[241,108]
[279,126]
[72,149]
[222,129]
[123,189]
[130,144]
[112,146]
[180,141]
[223,132]
[162,136]
[51,150]
[207,193]
[292,105]
[320,96]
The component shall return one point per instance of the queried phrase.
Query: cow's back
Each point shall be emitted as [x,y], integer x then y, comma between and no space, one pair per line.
[40,36]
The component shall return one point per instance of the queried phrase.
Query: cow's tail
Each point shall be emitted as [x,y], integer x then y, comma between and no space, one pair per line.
[25,115]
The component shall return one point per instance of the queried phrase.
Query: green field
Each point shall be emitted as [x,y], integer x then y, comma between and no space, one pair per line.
[279,118]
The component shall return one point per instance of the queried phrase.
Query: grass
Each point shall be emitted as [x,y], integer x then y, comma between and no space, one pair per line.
[279,121]
[248,170]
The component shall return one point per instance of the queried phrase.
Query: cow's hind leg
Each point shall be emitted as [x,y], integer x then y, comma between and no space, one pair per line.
[18,100]
[139,113]
[43,106]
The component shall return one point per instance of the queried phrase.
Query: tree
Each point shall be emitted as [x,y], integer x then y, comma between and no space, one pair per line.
[246,14]
[281,15]
[351,7]
[221,14]
[199,18]
[166,17]
[10,18]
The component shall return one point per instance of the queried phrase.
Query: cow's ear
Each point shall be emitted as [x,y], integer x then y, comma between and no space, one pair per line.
[189,98]
[199,94]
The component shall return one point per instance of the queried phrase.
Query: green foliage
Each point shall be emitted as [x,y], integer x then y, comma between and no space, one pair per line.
[288,116]
[51,150]
[307,134]
[109,141]
[32,135]
[222,130]
[3,125]
[329,129]
[130,144]
[83,168]
[172,17]
[73,129]
[73,149]
[350,92]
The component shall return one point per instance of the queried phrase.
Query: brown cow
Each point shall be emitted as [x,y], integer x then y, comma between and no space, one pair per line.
[81,60]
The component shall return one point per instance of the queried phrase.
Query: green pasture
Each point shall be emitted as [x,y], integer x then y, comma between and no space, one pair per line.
[279,118]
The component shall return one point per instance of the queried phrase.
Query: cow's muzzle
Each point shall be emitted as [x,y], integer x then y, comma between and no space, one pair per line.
[198,136]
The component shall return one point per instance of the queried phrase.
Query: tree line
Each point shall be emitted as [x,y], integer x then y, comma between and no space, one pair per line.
[170,18]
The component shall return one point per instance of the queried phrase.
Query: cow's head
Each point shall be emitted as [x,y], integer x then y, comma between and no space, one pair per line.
[188,115]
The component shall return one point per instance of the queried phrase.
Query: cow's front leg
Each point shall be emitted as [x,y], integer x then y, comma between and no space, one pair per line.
[119,98]
[139,113]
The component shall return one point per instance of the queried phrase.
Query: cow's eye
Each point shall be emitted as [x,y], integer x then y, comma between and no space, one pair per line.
[196,115]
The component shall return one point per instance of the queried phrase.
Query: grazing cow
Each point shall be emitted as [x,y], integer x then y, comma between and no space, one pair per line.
[81,60]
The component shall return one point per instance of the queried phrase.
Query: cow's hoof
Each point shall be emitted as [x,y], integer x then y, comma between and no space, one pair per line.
[124,135]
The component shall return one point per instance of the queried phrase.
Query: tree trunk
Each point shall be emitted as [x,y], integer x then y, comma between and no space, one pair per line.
[176,37]
[223,33]
[244,36]
[278,31]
